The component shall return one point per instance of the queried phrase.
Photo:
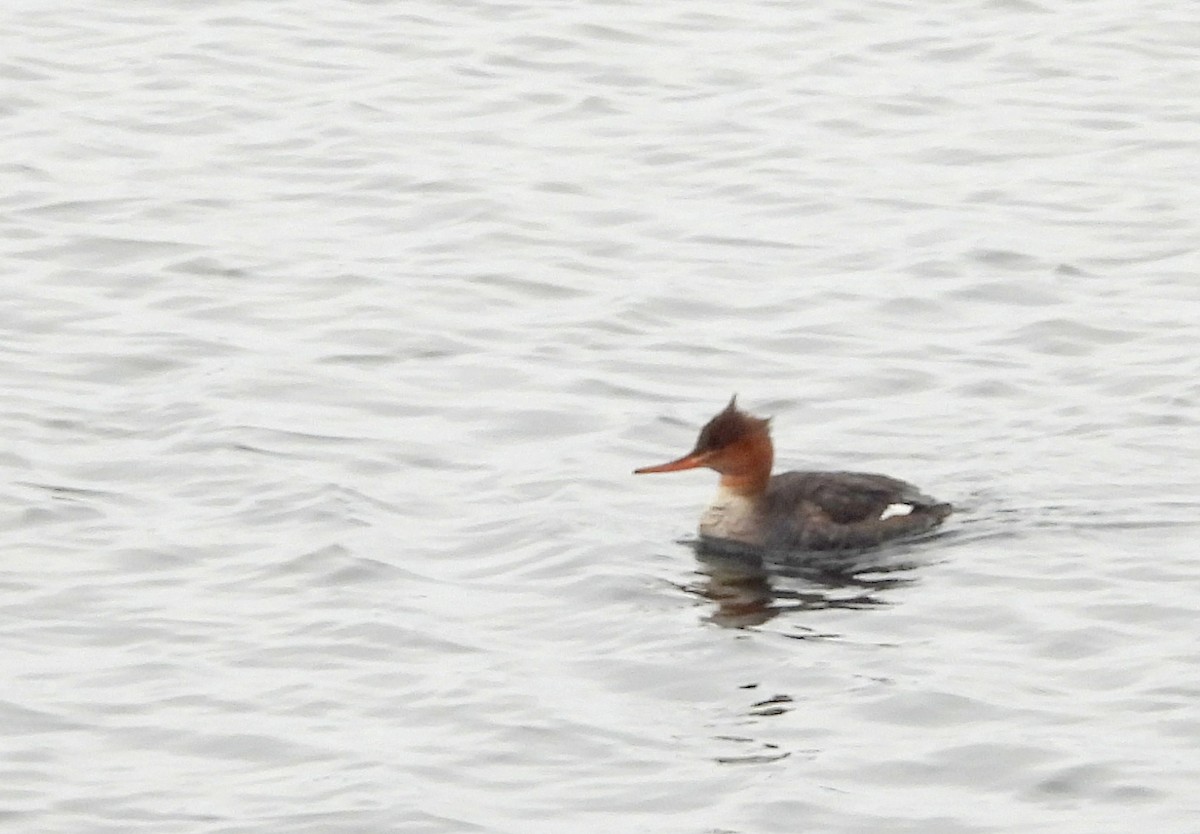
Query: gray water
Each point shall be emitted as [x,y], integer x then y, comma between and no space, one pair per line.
[332,332]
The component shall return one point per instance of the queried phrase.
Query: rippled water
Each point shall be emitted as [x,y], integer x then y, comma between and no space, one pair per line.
[333,332]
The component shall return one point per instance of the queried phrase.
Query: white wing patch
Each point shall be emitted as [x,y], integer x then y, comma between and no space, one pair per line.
[895,509]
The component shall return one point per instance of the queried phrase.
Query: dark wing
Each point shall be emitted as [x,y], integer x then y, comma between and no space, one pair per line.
[844,509]
[845,497]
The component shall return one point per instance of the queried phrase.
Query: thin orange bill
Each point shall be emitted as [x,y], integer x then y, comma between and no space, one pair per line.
[692,460]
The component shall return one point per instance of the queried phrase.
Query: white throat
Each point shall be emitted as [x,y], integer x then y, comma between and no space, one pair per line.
[731,516]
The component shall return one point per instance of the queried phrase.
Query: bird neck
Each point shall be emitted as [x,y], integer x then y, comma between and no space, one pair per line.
[750,466]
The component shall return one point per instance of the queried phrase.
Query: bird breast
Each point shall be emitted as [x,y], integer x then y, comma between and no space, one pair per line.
[732,516]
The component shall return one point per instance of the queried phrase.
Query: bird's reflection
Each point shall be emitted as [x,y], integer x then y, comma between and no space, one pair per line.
[749,587]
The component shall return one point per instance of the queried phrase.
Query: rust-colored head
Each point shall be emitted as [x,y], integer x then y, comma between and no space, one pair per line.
[735,444]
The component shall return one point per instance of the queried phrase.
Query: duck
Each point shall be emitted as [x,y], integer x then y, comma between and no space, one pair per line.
[795,510]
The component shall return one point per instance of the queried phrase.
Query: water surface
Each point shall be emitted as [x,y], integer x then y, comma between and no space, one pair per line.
[333,333]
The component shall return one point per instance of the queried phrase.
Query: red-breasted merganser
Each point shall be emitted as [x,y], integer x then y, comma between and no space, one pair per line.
[796,510]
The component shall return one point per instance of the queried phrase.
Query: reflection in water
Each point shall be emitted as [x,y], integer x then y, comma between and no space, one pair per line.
[749,588]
